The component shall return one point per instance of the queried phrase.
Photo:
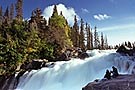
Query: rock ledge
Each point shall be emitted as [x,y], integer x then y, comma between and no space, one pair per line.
[122,82]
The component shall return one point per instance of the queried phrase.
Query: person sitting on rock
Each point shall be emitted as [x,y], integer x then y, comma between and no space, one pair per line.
[114,72]
[107,75]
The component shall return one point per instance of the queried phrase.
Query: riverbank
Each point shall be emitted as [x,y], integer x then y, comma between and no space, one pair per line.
[122,82]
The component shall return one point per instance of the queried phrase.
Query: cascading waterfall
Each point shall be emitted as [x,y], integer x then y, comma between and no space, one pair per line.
[76,73]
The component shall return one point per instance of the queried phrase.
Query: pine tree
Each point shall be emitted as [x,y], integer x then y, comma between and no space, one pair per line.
[38,13]
[1,15]
[6,18]
[11,12]
[88,37]
[102,41]
[106,42]
[61,13]
[19,9]
[38,22]
[6,14]
[55,12]
[91,39]
[96,39]
[1,11]
[58,32]
[75,33]
[81,36]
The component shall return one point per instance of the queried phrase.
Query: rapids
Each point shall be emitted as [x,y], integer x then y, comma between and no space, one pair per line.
[76,73]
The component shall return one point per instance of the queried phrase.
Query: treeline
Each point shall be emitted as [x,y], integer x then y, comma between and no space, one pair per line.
[24,40]
[87,39]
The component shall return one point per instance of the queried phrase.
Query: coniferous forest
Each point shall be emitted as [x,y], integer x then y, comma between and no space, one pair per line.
[24,40]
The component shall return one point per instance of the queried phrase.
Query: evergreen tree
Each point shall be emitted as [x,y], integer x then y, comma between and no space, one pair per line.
[106,42]
[19,9]
[41,22]
[91,39]
[1,15]
[96,39]
[102,41]
[88,37]
[6,18]
[58,32]
[81,36]
[11,12]
[75,33]
[61,13]
[55,12]
[1,11]
[6,14]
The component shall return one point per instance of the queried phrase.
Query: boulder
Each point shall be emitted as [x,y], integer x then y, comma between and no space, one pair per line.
[83,55]
[50,64]
[63,57]
[122,82]
[34,64]
[66,55]
[7,82]
[125,50]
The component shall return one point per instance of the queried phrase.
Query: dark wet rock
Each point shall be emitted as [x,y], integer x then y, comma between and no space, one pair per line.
[125,50]
[63,57]
[122,82]
[66,55]
[8,82]
[34,64]
[50,64]
[83,55]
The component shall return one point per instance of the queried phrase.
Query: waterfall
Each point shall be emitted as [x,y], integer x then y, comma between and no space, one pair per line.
[76,73]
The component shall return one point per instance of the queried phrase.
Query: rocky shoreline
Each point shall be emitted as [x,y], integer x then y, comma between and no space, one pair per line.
[122,82]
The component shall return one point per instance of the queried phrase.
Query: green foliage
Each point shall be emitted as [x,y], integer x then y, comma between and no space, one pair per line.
[57,21]
[75,33]
[60,31]
[19,44]
[46,51]
[9,54]
[22,41]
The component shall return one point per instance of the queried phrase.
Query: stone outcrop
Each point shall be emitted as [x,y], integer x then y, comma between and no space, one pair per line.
[122,82]
[125,50]
[34,64]
[83,55]
[8,82]
[72,53]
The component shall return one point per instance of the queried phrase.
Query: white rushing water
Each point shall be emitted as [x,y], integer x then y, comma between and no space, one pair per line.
[75,74]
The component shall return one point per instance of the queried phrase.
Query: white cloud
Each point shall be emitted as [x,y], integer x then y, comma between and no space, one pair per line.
[68,12]
[118,27]
[84,10]
[101,17]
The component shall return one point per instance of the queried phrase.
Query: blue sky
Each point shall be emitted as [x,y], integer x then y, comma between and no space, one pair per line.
[116,18]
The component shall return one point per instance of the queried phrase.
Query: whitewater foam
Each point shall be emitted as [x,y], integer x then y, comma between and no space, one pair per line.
[75,74]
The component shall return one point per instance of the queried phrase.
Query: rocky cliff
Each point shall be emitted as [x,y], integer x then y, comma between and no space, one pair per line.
[122,82]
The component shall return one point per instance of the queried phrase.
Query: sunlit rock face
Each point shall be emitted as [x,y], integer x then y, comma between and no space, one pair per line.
[76,73]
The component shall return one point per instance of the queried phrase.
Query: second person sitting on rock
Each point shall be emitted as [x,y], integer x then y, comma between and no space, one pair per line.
[114,72]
